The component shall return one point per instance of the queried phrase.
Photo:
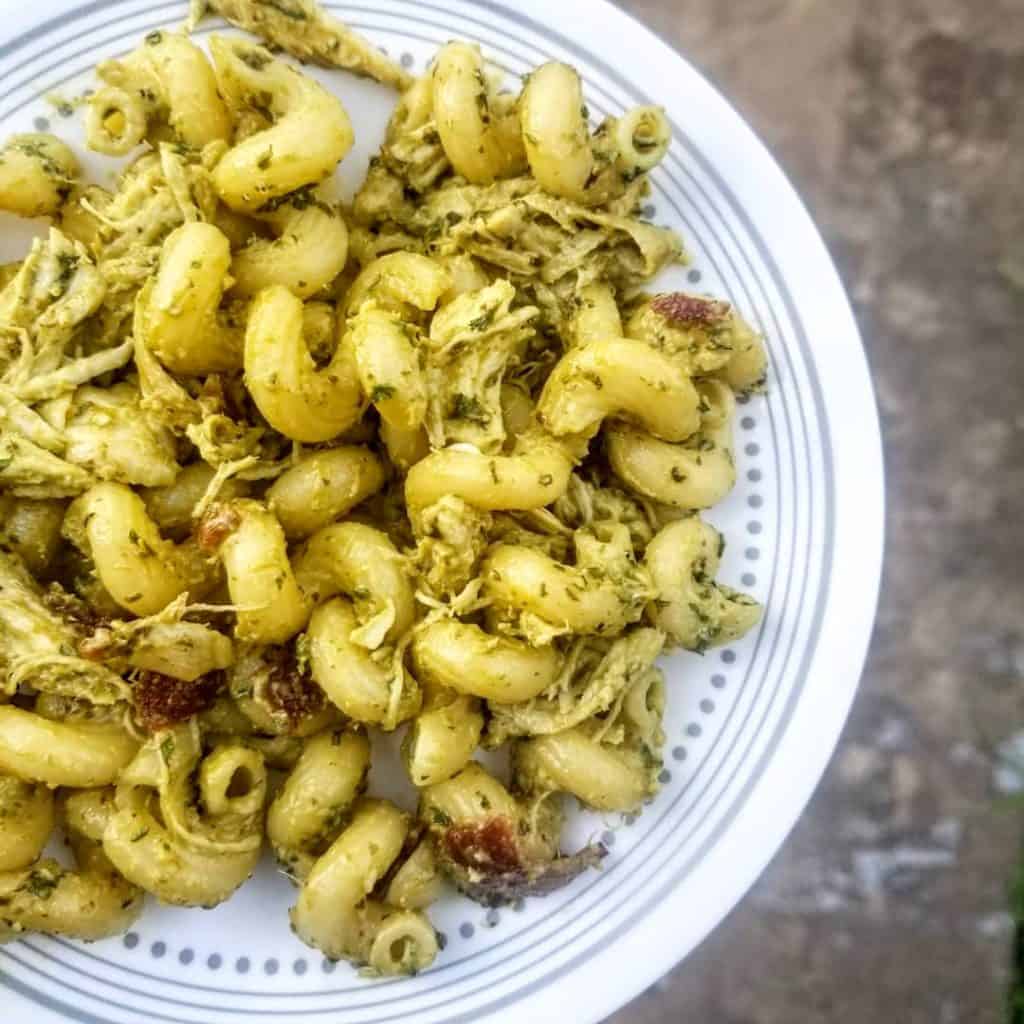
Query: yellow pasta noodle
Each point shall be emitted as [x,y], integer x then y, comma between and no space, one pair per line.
[555,131]
[371,689]
[442,737]
[299,400]
[80,754]
[141,570]
[362,562]
[158,837]
[27,814]
[310,134]
[140,849]
[389,366]
[116,121]
[333,912]
[623,378]
[602,593]
[399,280]
[179,314]
[312,806]
[532,477]
[36,174]
[691,608]
[696,474]
[169,83]
[465,658]
[322,486]
[173,507]
[32,530]
[91,901]
[417,882]
[641,138]
[478,137]
[596,317]
[271,607]
[405,447]
[308,252]
[572,762]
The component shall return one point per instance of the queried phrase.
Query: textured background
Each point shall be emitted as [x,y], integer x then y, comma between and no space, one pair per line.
[901,122]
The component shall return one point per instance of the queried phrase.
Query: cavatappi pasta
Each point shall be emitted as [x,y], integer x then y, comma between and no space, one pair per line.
[278,474]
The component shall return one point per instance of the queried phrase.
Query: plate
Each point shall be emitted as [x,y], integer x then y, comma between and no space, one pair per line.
[750,728]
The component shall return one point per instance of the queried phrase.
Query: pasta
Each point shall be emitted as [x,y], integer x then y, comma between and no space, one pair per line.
[572,762]
[76,754]
[26,810]
[695,474]
[692,608]
[323,486]
[623,379]
[368,689]
[309,251]
[166,86]
[37,172]
[161,841]
[479,137]
[298,399]
[140,570]
[555,132]
[464,657]
[310,132]
[602,593]
[311,807]
[178,316]
[31,529]
[279,474]
[251,545]
[91,901]
[442,737]
[333,912]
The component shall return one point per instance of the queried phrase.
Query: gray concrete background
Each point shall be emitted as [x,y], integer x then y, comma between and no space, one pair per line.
[902,124]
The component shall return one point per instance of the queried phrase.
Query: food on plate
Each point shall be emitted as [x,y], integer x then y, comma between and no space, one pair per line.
[279,474]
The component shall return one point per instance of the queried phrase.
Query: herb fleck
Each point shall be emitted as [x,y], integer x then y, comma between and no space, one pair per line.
[484,320]
[167,749]
[467,407]
[41,883]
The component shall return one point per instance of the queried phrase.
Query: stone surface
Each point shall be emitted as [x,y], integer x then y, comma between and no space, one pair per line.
[902,124]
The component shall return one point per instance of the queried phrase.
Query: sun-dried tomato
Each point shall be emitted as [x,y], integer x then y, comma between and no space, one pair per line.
[289,690]
[162,701]
[680,308]
[220,521]
[490,846]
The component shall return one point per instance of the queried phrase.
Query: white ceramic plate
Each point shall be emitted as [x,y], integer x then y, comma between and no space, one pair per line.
[750,728]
